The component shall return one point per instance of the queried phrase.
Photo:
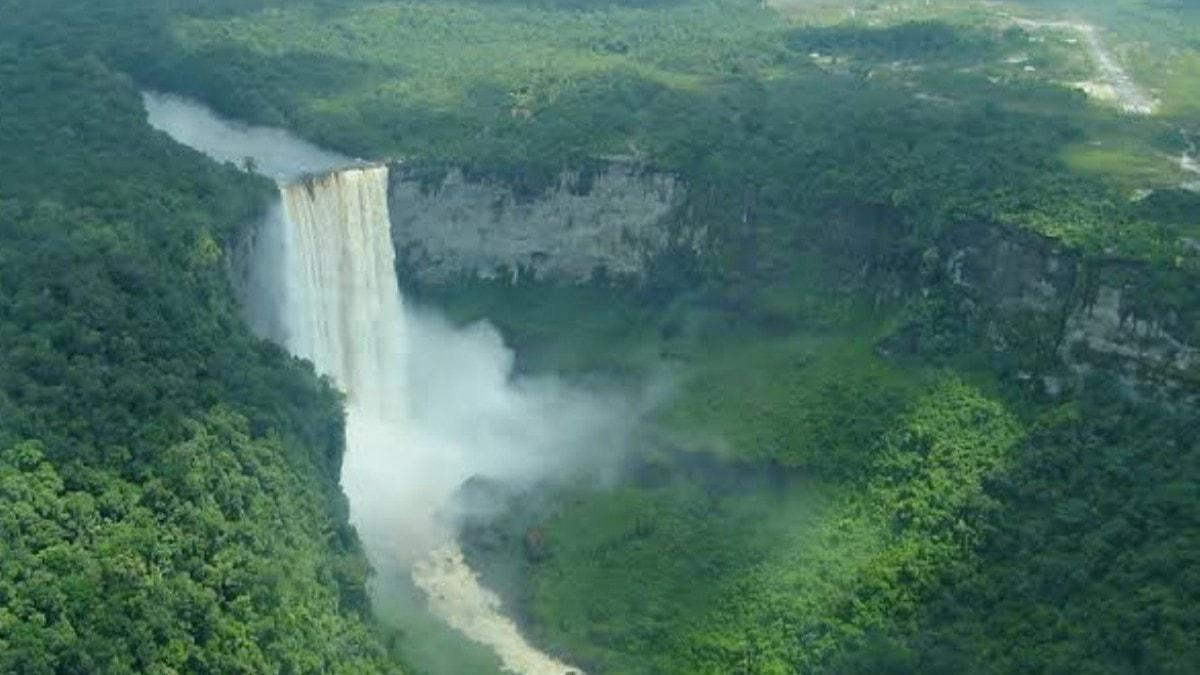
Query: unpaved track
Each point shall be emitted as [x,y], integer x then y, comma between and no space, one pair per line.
[1129,95]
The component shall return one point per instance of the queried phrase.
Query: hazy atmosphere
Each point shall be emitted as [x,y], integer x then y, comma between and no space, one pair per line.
[555,336]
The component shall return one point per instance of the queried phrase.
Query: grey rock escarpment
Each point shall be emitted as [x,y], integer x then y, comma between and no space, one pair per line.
[1052,306]
[1112,330]
[611,221]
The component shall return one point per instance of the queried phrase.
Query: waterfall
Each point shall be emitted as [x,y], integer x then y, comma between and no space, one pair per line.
[344,309]
[428,404]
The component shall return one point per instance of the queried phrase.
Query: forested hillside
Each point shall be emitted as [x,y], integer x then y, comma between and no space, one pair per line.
[168,484]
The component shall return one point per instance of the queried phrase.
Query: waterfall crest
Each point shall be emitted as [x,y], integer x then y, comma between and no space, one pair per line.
[344,311]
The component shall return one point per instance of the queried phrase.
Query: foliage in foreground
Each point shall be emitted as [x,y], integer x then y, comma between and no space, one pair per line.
[1087,559]
[168,484]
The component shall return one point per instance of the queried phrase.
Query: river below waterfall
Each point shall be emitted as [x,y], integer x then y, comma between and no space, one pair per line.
[429,405]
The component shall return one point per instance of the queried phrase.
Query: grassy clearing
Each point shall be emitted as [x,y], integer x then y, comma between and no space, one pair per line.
[1179,81]
[1131,166]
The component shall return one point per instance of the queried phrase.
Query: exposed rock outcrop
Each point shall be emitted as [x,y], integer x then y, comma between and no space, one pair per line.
[1110,329]
[1050,306]
[610,221]
[1043,307]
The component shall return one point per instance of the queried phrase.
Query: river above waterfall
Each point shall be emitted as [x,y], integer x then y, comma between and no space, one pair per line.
[275,153]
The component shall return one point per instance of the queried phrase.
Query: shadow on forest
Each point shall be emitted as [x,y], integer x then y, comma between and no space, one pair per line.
[916,40]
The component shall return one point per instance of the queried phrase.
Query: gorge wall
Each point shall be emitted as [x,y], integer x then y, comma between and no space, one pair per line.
[1059,314]
[610,220]
[1046,309]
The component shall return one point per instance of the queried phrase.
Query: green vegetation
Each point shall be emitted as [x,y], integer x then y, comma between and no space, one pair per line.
[1157,38]
[1085,561]
[812,404]
[873,560]
[959,528]
[805,502]
[168,484]
[923,116]
[732,110]
[715,574]
[1130,167]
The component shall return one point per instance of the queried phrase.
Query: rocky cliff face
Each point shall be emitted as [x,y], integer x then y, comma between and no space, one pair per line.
[611,221]
[1112,328]
[1052,307]
[1045,309]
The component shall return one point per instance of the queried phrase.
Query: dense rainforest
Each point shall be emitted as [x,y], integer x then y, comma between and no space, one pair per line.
[169,483]
[867,465]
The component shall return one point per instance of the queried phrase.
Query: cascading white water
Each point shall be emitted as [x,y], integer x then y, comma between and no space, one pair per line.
[344,309]
[429,405]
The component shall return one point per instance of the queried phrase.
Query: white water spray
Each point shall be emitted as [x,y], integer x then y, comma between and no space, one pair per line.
[429,405]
